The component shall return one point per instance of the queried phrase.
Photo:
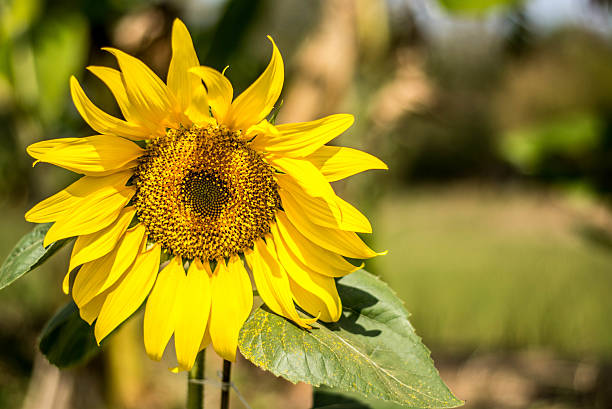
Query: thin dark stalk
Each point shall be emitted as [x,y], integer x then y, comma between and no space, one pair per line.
[225,385]
[195,383]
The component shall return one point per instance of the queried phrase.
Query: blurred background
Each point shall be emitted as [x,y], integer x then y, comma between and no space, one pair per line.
[495,118]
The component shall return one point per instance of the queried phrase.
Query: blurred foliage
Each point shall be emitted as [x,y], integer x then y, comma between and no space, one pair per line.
[59,51]
[476,6]
[17,17]
[571,138]
[542,115]
[231,31]
[38,56]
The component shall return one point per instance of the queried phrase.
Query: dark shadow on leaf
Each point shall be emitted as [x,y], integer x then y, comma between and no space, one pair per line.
[67,340]
[267,309]
[354,301]
[330,400]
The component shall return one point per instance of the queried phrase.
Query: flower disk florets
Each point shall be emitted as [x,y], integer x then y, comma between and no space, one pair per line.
[202,192]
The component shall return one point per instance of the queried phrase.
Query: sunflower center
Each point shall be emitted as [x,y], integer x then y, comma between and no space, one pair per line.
[202,192]
[205,193]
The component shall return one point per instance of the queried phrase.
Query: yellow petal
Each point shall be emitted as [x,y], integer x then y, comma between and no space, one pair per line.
[146,92]
[232,300]
[255,132]
[193,312]
[302,139]
[315,303]
[90,311]
[112,78]
[341,216]
[342,242]
[95,245]
[96,155]
[302,174]
[220,91]
[263,277]
[99,120]
[309,179]
[130,292]
[319,259]
[160,313]
[339,162]
[96,276]
[206,341]
[63,202]
[313,292]
[272,283]
[198,111]
[66,283]
[91,215]
[182,83]
[256,102]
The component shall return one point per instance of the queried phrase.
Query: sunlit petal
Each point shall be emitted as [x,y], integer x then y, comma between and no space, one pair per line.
[90,216]
[339,241]
[96,155]
[302,139]
[129,294]
[65,201]
[220,91]
[186,87]
[151,99]
[256,102]
[272,283]
[92,246]
[232,300]
[341,216]
[161,312]
[193,310]
[321,260]
[339,162]
[314,292]
[99,120]
[97,276]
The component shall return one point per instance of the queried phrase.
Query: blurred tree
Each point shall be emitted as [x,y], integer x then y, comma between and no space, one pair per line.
[36,59]
[229,33]
[476,6]
[554,111]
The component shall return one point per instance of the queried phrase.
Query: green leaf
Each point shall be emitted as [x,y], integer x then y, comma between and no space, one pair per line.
[28,254]
[322,399]
[372,350]
[67,340]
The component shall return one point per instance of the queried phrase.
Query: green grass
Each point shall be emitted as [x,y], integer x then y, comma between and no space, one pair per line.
[497,269]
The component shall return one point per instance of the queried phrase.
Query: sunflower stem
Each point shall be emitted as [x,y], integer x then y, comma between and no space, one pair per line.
[195,383]
[225,384]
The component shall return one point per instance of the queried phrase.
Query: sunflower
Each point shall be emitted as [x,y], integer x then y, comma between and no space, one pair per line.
[203,185]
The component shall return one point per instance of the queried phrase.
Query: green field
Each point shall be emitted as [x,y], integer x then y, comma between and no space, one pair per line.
[489,269]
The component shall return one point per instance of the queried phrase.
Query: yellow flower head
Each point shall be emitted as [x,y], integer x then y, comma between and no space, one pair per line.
[204,189]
